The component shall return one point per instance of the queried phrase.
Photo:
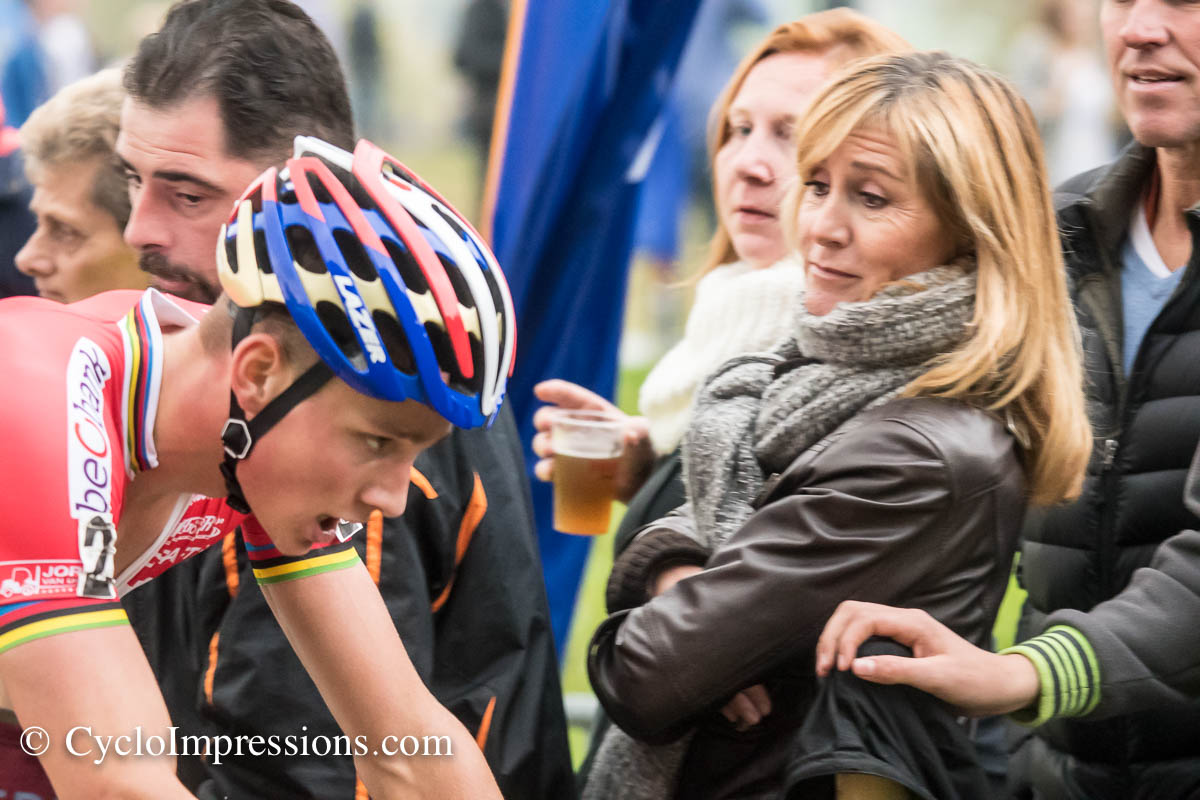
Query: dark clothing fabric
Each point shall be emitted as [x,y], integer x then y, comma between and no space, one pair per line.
[17,224]
[1146,424]
[1054,775]
[461,579]
[661,494]
[165,615]
[932,492]
[895,732]
[1146,639]
[21,775]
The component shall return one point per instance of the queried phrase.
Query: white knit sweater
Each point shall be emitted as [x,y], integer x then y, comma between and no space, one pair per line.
[737,310]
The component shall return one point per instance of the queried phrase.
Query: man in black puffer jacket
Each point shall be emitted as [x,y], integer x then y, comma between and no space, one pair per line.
[1128,234]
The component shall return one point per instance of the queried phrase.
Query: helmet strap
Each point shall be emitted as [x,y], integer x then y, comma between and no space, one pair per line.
[240,435]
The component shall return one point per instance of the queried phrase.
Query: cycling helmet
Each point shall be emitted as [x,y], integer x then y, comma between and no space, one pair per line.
[395,291]
[387,282]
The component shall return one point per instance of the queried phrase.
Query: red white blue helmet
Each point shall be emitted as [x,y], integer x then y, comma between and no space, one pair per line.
[392,287]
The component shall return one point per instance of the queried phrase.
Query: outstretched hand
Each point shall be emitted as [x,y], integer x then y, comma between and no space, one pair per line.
[638,456]
[944,664]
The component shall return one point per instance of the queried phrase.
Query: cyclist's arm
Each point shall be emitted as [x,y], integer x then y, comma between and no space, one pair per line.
[339,627]
[98,679]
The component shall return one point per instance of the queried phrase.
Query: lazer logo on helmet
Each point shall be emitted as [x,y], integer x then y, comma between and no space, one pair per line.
[360,317]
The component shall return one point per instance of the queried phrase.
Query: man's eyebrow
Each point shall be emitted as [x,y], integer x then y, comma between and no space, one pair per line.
[174,176]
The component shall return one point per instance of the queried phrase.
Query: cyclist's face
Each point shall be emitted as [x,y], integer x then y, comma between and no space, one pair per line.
[338,454]
[182,185]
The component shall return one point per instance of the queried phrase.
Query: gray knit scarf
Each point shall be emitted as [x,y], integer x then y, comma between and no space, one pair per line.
[757,413]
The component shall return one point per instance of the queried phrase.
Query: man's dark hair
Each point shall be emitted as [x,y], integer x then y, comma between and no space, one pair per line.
[272,72]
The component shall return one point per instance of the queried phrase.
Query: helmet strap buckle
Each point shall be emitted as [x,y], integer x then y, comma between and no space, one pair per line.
[236,438]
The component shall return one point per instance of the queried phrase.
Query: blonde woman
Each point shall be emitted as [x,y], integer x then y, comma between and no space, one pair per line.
[742,297]
[930,389]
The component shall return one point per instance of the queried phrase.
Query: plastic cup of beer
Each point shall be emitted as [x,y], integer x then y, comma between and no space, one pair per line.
[587,454]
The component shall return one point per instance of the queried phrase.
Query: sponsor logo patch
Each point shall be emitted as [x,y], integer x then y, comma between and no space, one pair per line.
[203,523]
[31,580]
[89,451]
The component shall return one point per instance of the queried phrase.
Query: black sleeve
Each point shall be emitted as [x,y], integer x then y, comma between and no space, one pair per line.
[254,684]
[1145,641]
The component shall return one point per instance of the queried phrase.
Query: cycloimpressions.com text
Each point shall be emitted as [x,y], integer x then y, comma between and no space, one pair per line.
[82,742]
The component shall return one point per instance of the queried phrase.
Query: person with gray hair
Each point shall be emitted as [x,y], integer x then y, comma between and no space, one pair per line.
[80,198]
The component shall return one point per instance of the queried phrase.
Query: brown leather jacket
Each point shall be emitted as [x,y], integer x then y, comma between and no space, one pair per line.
[917,503]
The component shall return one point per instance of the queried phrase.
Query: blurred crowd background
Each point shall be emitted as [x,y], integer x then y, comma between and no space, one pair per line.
[423,78]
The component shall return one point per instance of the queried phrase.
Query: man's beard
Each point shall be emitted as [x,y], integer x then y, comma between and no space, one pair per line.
[178,279]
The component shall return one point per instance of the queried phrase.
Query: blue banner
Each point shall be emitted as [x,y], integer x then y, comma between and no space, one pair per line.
[585,83]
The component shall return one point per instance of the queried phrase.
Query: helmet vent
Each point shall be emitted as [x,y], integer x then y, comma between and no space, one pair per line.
[407,266]
[318,188]
[361,196]
[261,255]
[458,282]
[498,303]
[334,321]
[442,348]
[287,196]
[304,249]
[231,253]
[394,342]
[355,255]
[394,171]
[476,383]
[450,220]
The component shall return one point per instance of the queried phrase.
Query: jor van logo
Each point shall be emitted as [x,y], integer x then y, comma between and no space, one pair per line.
[89,451]
[33,579]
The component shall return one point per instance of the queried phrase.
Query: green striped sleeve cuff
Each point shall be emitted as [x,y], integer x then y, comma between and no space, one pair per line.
[1067,670]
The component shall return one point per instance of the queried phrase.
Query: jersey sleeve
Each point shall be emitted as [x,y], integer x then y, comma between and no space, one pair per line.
[271,566]
[64,484]
[36,619]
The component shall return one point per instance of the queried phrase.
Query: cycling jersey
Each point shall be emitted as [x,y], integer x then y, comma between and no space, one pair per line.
[78,422]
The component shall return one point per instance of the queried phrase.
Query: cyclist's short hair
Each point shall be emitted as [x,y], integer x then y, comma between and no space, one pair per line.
[216,330]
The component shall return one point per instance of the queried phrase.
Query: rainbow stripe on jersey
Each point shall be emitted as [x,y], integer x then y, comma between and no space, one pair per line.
[143,343]
[25,622]
[271,566]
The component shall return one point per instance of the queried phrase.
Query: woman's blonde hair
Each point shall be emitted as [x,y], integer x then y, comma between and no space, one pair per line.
[973,149]
[840,35]
[80,123]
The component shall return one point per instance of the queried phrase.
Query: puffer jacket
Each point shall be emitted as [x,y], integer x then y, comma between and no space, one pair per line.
[917,503]
[1147,425]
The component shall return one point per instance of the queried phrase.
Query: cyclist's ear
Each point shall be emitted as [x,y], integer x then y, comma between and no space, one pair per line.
[258,371]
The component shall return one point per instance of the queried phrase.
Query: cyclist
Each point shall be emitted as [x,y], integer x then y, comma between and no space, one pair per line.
[362,318]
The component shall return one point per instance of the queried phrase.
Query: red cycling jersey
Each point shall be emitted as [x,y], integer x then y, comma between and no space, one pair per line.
[84,383]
